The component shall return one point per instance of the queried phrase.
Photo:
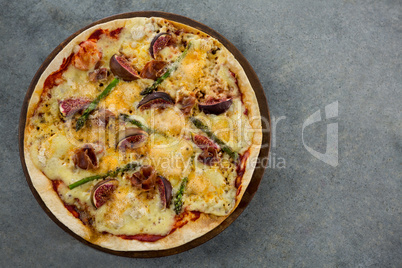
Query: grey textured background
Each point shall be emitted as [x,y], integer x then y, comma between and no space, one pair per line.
[307,54]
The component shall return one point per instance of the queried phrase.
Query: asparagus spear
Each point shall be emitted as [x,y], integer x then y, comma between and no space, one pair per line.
[178,202]
[169,71]
[112,173]
[81,121]
[126,118]
[212,136]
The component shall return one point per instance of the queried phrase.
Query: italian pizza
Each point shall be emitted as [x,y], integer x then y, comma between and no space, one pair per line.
[142,134]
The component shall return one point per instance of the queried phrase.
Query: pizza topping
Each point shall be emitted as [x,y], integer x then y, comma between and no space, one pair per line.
[98,75]
[165,191]
[132,138]
[215,106]
[173,67]
[102,117]
[145,178]
[178,202]
[122,68]
[102,191]
[234,77]
[96,35]
[156,99]
[200,125]
[87,56]
[81,121]
[241,168]
[153,69]
[203,142]
[85,158]
[209,156]
[191,84]
[126,117]
[56,78]
[112,173]
[71,106]
[186,104]
[159,42]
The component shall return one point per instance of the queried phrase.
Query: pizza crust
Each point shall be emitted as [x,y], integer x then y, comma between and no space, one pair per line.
[183,235]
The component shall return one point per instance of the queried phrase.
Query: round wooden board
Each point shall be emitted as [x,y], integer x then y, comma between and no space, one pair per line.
[258,172]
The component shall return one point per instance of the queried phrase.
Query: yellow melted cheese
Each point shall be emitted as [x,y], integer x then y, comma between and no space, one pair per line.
[132,212]
[209,191]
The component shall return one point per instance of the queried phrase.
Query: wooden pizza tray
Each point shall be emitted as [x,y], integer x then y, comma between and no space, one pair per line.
[258,172]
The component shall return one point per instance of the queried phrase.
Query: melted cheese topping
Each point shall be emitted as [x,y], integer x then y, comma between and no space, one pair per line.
[203,73]
[134,212]
[210,191]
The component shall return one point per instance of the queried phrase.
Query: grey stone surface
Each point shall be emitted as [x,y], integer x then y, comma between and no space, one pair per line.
[307,55]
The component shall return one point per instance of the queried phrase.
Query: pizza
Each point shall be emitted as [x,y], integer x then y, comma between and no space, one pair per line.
[142,134]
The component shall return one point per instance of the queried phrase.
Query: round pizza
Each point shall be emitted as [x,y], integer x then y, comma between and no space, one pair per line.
[142,134]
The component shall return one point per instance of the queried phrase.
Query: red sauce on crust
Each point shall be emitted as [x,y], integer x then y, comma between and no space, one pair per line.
[55,78]
[238,190]
[241,168]
[142,237]
[71,208]
[55,184]
[96,35]
[115,33]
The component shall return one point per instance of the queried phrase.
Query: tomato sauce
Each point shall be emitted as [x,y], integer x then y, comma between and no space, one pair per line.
[73,209]
[55,78]
[96,35]
[241,168]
